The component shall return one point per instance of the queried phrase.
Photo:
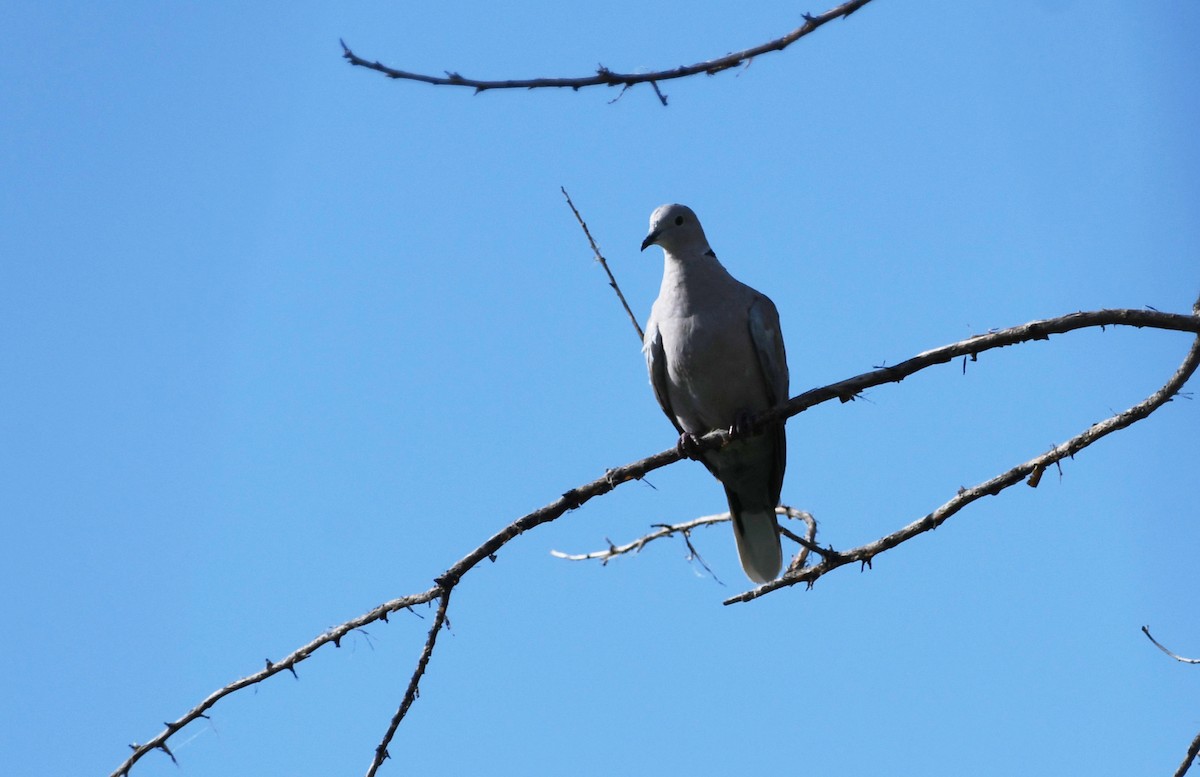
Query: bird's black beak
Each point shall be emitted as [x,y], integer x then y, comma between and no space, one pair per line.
[651,239]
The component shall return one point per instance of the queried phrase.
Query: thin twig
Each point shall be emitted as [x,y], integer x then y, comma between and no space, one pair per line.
[410,695]
[844,390]
[662,530]
[807,543]
[605,77]
[667,530]
[604,263]
[694,555]
[1160,646]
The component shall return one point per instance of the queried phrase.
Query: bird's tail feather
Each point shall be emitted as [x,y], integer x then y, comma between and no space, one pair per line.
[757,535]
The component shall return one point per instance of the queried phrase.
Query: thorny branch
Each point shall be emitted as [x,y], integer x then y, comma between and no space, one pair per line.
[605,77]
[845,391]
[334,636]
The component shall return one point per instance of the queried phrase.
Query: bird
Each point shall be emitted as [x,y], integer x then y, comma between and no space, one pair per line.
[714,351]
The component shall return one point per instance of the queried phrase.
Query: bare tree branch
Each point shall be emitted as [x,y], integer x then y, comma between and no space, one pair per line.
[334,636]
[1190,758]
[1160,646]
[845,391]
[605,77]
[410,695]
[1031,469]
[612,281]
[849,389]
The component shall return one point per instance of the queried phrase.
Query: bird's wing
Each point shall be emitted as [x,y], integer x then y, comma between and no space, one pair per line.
[767,337]
[656,363]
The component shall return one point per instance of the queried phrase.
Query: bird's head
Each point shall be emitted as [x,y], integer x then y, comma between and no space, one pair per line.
[677,230]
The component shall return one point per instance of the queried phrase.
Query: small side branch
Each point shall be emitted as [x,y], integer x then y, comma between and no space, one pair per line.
[662,530]
[808,543]
[1160,646]
[605,77]
[612,281]
[410,695]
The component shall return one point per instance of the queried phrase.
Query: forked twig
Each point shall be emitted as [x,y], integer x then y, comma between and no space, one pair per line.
[411,693]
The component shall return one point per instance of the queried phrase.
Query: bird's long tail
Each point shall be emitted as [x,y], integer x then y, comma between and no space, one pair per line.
[757,535]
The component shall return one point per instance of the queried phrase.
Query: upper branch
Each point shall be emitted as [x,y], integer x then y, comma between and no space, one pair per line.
[605,77]
[848,389]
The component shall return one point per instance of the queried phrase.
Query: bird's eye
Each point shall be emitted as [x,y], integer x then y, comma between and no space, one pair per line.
[678,220]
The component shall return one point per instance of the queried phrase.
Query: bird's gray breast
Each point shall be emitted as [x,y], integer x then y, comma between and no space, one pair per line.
[712,368]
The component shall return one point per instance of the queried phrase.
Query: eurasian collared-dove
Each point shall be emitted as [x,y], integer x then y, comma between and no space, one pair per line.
[715,354]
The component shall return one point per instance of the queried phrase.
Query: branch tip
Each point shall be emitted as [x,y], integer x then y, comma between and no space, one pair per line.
[1163,648]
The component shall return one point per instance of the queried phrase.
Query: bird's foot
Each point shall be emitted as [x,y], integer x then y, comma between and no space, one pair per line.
[742,425]
[688,445]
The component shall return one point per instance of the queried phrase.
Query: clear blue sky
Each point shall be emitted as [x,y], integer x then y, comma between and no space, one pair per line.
[282,339]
